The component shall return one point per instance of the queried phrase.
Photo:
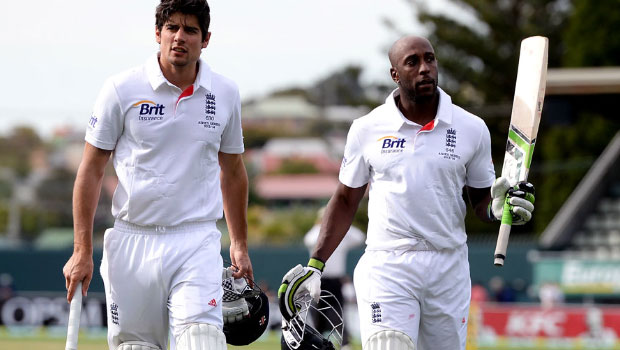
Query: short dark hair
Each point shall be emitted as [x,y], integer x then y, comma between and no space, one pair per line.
[199,8]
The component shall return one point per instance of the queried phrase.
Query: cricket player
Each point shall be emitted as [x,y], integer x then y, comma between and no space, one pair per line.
[417,153]
[173,129]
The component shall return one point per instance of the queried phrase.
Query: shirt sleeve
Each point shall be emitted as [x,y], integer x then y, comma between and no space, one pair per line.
[105,125]
[480,169]
[232,136]
[354,170]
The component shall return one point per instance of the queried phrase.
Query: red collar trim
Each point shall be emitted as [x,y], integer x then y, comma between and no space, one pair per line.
[428,127]
[187,92]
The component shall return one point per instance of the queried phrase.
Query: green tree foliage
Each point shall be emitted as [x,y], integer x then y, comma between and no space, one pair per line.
[567,152]
[590,39]
[256,137]
[342,87]
[55,197]
[16,149]
[297,166]
[280,227]
[478,57]
[6,190]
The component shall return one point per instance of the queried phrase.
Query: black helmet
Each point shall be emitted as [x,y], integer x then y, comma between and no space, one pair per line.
[297,334]
[253,326]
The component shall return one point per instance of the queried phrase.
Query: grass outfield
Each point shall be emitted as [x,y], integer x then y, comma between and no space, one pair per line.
[40,341]
[92,344]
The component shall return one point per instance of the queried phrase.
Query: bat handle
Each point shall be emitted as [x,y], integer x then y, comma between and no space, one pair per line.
[73,326]
[504,234]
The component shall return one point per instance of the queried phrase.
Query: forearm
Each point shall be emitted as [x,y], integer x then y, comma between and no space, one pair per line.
[235,198]
[337,220]
[480,198]
[483,210]
[86,194]
[86,191]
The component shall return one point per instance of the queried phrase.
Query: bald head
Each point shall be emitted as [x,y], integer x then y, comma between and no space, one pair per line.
[403,45]
[414,68]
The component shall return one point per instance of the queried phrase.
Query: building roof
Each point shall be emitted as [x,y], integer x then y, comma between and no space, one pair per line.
[300,146]
[583,81]
[306,186]
[345,113]
[281,107]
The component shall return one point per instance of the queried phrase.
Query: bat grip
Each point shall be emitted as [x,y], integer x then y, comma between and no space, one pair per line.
[73,326]
[504,234]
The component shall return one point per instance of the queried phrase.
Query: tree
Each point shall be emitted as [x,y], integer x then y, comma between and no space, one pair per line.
[589,38]
[342,87]
[478,57]
[16,149]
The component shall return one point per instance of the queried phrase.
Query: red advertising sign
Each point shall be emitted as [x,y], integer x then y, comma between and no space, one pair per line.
[525,326]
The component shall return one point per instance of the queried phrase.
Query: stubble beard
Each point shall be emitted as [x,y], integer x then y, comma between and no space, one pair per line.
[410,92]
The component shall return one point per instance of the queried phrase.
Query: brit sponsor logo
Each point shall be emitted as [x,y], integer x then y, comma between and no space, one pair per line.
[392,144]
[450,146]
[210,107]
[375,312]
[149,110]
[213,303]
[93,121]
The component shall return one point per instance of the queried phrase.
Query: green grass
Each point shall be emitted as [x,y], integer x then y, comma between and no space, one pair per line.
[41,339]
[90,344]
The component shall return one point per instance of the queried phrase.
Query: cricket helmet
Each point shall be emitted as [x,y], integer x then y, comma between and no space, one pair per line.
[253,326]
[299,334]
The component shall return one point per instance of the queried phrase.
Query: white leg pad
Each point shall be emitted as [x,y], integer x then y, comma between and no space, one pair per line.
[137,345]
[201,336]
[389,340]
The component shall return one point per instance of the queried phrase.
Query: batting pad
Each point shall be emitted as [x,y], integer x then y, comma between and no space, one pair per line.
[201,336]
[389,340]
[137,345]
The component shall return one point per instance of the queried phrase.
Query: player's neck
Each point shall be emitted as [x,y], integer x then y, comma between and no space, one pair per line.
[419,112]
[180,76]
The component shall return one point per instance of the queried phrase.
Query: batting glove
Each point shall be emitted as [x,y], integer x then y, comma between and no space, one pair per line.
[234,306]
[520,198]
[296,282]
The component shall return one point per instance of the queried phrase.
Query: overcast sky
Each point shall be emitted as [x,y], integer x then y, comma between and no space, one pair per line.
[56,54]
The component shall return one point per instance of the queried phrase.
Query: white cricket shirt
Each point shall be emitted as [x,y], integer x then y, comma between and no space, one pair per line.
[416,174]
[166,143]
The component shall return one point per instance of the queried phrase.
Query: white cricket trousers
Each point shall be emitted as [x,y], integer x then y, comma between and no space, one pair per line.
[159,279]
[422,293]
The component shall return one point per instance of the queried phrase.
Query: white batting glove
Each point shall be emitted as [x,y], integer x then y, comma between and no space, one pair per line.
[520,197]
[234,306]
[235,311]
[297,281]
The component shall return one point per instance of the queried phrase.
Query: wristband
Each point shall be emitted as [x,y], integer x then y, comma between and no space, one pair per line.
[316,263]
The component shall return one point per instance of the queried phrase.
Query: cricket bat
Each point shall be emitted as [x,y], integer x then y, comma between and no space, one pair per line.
[73,326]
[524,120]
